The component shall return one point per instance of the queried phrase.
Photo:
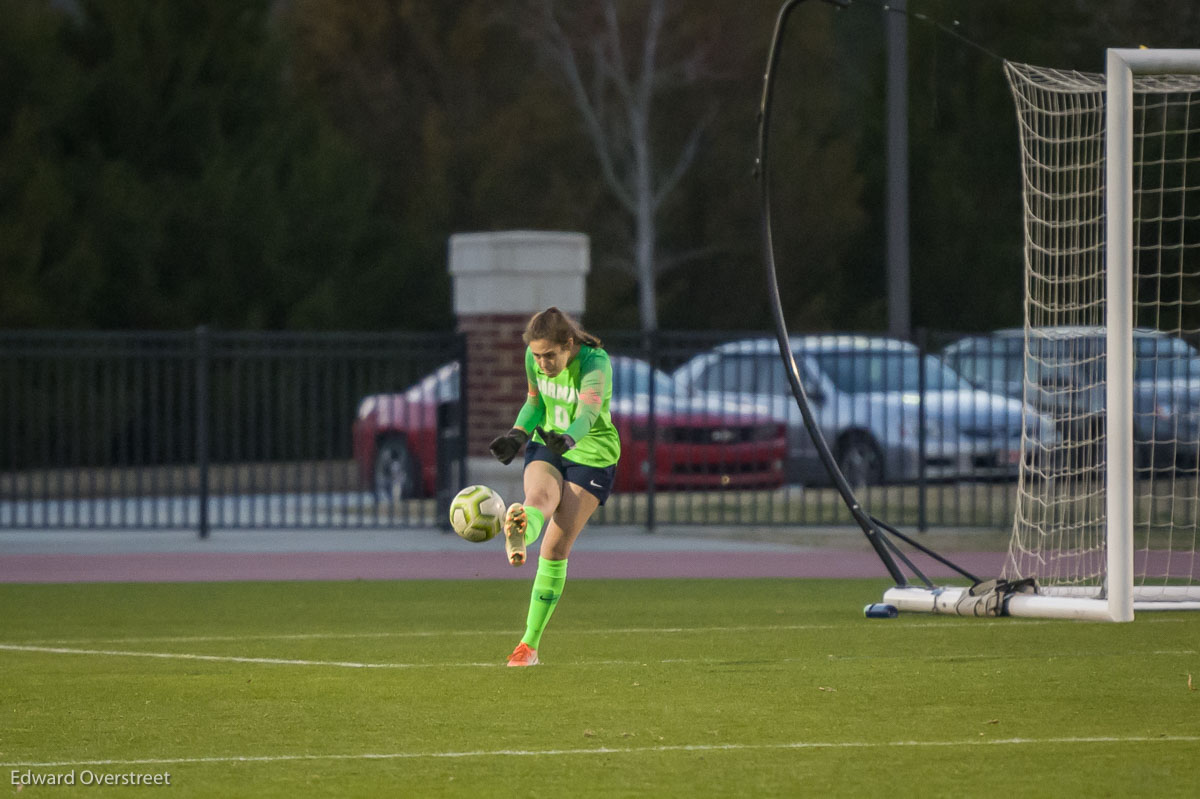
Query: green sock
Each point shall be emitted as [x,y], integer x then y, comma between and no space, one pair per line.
[547,588]
[533,526]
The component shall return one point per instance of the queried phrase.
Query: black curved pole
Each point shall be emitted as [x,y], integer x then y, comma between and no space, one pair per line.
[785,351]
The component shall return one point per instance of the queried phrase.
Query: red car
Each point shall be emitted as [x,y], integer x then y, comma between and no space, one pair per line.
[698,444]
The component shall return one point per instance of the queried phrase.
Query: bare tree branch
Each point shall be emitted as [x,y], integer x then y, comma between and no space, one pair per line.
[620,89]
[650,52]
[686,156]
[614,65]
[562,51]
[667,263]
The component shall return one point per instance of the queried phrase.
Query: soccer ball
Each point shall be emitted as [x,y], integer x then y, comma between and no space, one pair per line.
[477,513]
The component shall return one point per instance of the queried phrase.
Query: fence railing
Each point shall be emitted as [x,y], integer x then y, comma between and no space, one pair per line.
[200,429]
[214,429]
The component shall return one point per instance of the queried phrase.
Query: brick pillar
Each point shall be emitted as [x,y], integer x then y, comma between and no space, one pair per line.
[495,379]
[500,280]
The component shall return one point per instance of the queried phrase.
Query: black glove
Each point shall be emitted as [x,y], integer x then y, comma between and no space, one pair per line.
[558,443]
[506,447]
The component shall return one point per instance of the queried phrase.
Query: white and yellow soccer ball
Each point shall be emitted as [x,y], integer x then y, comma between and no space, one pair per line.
[477,513]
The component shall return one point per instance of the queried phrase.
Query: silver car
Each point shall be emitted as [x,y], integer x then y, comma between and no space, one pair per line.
[866,397]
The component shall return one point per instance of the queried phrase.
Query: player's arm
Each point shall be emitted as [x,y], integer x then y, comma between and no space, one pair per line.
[532,413]
[506,447]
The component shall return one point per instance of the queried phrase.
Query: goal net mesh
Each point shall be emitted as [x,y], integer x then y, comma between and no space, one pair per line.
[1059,531]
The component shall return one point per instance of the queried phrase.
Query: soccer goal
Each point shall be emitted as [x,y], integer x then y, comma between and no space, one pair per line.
[1108,514]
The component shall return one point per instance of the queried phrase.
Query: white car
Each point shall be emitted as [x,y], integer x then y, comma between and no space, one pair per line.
[865,393]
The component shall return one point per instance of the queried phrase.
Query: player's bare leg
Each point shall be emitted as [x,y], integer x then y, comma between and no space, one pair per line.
[543,489]
[574,509]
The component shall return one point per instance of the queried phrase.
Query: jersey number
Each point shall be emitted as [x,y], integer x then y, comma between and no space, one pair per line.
[562,419]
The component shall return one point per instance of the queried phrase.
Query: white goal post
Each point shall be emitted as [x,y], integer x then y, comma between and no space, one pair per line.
[1121,67]
[1108,515]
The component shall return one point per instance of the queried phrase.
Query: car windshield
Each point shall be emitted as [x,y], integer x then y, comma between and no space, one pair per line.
[1164,358]
[1056,362]
[874,371]
[983,370]
[1081,358]
[988,362]
[632,378]
[850,371]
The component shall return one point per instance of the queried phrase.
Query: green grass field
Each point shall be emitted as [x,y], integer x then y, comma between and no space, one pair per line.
[648,688]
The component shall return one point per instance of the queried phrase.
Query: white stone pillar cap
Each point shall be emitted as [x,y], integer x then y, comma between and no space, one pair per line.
[518,271]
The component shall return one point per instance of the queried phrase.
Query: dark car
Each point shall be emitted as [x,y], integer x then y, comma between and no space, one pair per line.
[696,445]
[1062,373]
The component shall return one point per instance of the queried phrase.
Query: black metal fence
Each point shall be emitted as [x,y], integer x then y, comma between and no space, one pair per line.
[200,429]
[213,429]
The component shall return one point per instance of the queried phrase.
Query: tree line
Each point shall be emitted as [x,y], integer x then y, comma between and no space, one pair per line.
[300,165]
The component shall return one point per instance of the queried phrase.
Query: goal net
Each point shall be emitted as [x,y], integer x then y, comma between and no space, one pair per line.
[1108,514]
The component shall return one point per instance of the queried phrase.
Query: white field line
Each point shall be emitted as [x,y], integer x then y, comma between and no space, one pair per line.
[1014,655]
[605,750]
[344,664]
[429,634]
[56,650]
[1011,623]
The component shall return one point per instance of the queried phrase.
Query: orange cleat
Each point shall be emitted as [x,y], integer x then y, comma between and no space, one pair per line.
[514,534]
[523,656]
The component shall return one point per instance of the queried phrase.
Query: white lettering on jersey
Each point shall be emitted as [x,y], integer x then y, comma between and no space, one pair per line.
[558,391]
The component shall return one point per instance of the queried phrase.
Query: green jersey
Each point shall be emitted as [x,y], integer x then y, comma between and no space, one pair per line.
[576,402]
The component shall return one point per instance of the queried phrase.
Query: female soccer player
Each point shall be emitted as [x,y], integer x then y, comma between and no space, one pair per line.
[570,461]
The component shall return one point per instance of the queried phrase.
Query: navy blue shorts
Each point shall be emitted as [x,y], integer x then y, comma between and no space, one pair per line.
[596,480]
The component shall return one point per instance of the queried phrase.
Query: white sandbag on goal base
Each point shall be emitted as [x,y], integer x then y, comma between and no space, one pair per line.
[955,601]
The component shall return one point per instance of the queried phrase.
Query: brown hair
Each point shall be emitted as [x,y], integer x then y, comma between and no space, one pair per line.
[556,326]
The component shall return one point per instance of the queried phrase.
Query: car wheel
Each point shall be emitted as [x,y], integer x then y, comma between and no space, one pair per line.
[860,460]
[395,470]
